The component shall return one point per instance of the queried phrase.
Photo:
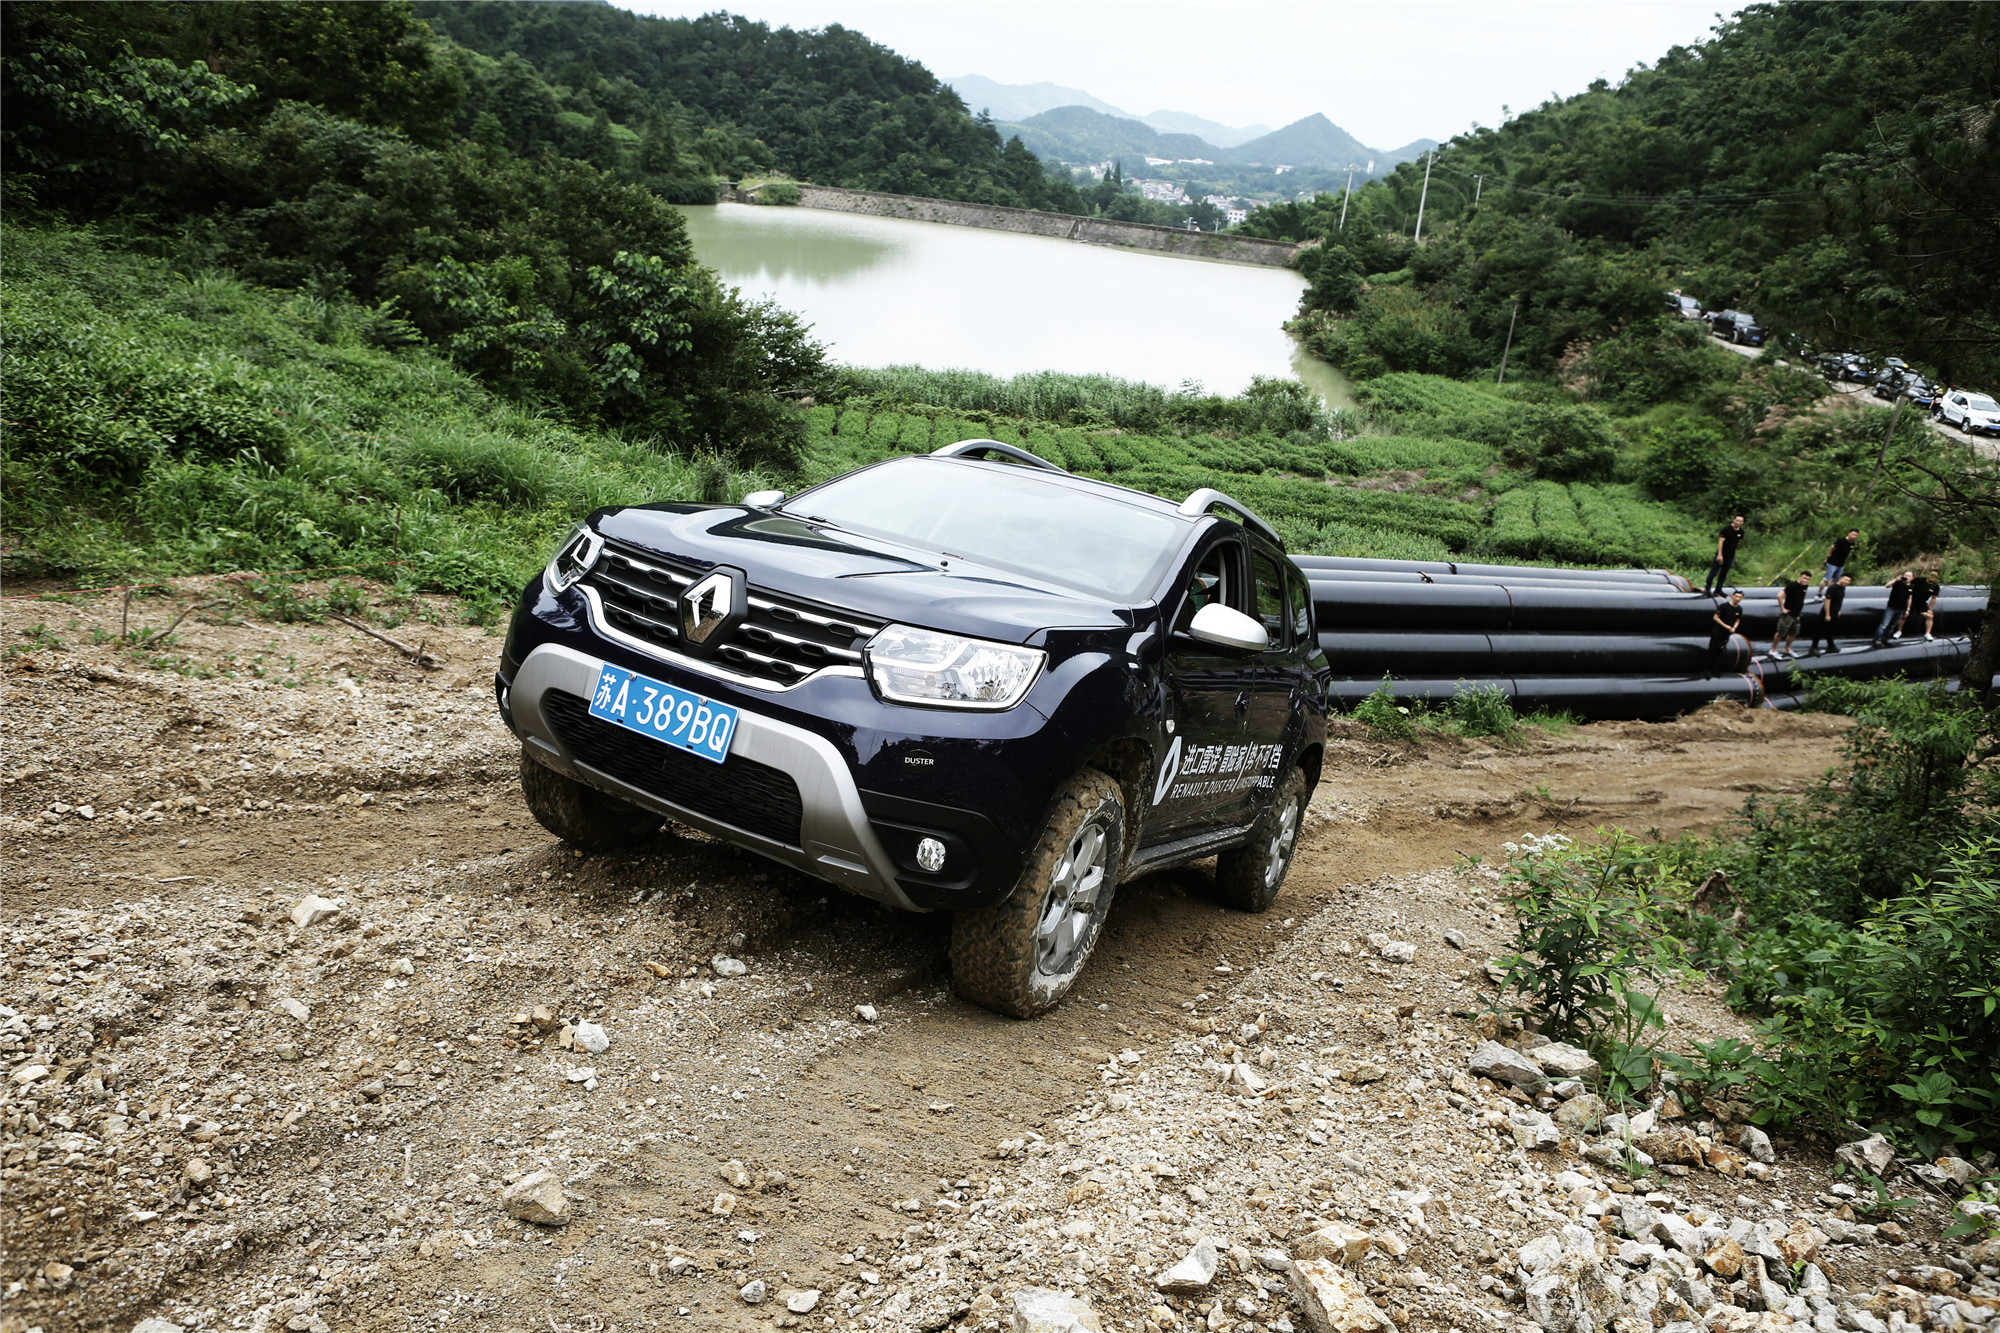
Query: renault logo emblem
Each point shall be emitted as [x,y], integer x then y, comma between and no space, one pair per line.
[705,607]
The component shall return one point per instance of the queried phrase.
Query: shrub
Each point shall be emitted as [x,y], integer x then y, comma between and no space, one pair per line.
[780,193]
[1384,716]
[1589,952]
[1482,710]
[1563,442]
[1680,460]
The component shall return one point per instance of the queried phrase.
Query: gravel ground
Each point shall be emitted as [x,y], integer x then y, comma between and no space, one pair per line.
[296,992]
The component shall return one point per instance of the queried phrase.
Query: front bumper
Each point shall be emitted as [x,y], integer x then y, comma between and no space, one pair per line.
[836,840]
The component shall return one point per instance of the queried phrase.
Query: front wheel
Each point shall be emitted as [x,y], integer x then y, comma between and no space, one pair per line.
[583,816]
[1249,877]
[1021,956]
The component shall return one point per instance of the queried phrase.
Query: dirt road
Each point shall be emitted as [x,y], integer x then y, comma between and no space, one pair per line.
[240,1121]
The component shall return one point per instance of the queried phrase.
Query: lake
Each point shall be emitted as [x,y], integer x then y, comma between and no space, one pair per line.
[885,291]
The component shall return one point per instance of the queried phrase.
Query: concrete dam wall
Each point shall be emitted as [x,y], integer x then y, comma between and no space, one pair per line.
[1028,221]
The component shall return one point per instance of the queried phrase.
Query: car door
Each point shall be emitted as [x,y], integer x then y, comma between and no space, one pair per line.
[1207,699]
[1271,684]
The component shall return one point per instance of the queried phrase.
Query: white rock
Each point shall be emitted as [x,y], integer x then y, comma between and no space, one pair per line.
[1193,1273]
[537,1198]
[725,966]
[156,1325]
[1874,1155]
[1398,951]
[298,1009]
[1337,1241]
[1275,1260]
[312,909]
[1040,1310]
[754,1292]
[1534,1130]
[867,1013]
[400,967]
[1757,1143]
[800,1302]
[1333,1302]
[86,812]
[1566,1061]
[592,1038]
[1503,1064]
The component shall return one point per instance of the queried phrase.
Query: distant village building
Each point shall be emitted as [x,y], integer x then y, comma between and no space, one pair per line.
[1236,216]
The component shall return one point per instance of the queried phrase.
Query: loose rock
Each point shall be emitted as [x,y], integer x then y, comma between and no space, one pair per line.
[538,1198]
[754,1292]
[1193,1273]
[725,966]
[1874,1155]
[592,1038]
[312,909]
[1040,1310]
[1566,1061]
[1503,1064]
[800,1302]
[1336,1241]
[1333,1302]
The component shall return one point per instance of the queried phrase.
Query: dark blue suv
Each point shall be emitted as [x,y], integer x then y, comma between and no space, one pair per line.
[965,681]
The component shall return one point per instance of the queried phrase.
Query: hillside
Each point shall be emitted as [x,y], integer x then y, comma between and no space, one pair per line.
[1018,101]
[1827,167]
[1312,142]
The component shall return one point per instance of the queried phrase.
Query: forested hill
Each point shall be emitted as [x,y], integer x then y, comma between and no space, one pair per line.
[826,105]
[1829,167]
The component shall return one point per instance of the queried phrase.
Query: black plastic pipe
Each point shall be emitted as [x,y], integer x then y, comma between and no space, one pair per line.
[1371,653]
[1449,568]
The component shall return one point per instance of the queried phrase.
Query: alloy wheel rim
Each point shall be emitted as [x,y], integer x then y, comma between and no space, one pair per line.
[1281,844]
[1070,908]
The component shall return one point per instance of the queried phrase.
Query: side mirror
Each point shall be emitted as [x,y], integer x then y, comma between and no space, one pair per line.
[1226,627]
[764,499]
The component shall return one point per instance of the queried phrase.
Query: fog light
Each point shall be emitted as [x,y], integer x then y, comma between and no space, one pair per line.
[930,855]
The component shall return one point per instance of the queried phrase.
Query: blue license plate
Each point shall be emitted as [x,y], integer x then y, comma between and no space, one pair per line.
[654,708]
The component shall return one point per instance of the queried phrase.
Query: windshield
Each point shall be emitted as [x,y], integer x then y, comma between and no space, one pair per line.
[1006,517]
[1979,402]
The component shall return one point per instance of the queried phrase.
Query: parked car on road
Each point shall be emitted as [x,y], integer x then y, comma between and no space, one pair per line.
[1973,413]
[1737,326]
[966,682]
[1845,367]
[1683,307]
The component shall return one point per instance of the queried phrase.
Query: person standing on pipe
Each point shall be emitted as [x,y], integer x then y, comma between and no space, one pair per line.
[1726,543]
[1722,629]
[1892,614]
[1829,611]
[1837,556]
[1923,595]
[1791,608]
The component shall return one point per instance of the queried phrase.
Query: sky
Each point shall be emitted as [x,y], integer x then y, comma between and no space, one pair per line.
[1387,72]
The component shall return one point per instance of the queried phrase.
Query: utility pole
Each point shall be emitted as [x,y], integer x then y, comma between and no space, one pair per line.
[1510,342]
[1419,238]
[1345,194]
[1478,184]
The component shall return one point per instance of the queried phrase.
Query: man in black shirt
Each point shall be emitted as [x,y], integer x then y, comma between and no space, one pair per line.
[1791,606]
[1837,556]
[1829,611]
[1892,614]
[1726,543]
[1923,593]
[1722,627]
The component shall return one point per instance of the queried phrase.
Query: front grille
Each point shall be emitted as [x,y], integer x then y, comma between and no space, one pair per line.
[780,639]
[742,793]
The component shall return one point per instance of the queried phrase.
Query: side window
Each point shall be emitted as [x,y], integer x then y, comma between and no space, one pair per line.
[1299,593]
[1216,579]
[1270,610]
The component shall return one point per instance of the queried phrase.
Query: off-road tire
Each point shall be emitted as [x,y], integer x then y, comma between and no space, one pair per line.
[582,816]
[1248,878]
[996,952]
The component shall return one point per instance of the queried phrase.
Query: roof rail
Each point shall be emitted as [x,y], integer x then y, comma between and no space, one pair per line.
[1208,498]
[980,448]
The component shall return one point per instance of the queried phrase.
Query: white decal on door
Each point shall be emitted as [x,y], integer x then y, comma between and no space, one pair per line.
[1169,770]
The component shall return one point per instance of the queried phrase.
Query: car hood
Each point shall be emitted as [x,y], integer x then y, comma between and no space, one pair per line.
[863,575]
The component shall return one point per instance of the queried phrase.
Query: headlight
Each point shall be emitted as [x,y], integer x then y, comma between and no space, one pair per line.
[573,558]
[921,666]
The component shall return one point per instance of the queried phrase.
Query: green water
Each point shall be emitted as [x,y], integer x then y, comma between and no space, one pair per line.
[882,291]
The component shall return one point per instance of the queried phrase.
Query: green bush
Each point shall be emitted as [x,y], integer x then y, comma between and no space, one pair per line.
[1482,710]
[1384,716]
[1563,442]
[778,193]
[1918,775]
[1681,458]
[1589,954]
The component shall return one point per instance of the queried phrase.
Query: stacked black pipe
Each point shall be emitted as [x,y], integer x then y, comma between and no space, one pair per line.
[1600,643]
